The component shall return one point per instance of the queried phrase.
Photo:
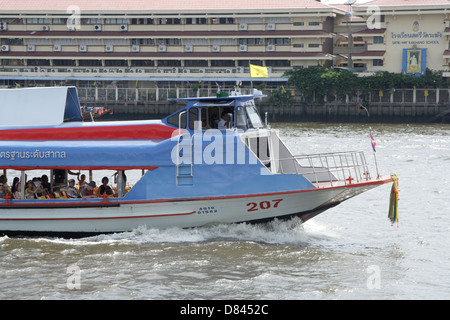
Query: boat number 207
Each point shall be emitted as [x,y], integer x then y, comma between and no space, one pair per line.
[253,206]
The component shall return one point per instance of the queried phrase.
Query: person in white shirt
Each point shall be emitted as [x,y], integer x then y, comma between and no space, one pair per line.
[222,125]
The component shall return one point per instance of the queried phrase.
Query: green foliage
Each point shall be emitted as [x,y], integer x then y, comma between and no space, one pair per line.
[319,82]
[280,98]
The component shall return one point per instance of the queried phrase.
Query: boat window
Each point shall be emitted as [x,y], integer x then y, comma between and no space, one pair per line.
[213,116]
[193,118]
[204,118]
[175,119]
[241,118]
[255,120]
[260,147]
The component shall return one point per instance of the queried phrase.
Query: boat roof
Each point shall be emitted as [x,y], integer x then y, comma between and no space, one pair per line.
[214,98]
[41,106]
[86,155]
[257,94]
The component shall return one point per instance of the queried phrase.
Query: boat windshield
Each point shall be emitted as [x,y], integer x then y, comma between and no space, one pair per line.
[253,117]
[208,112]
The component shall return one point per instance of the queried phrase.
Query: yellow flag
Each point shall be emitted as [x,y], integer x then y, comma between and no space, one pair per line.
[258,72]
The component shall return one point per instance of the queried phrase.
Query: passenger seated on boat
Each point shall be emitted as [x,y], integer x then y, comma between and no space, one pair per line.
[30,191]
[4,180]
[45,184]
[104,188]
[82,183]
[40,191]
[89,192]
[222,125]
[15,189]
[71,191]
[2,190]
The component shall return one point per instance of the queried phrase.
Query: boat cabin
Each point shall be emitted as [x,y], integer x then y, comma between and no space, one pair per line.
[239,112]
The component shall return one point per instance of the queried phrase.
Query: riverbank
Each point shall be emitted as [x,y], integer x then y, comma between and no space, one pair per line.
[303,112]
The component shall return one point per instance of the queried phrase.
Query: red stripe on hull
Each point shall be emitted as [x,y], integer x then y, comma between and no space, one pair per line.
[102,218]
[72,167]
[118,132]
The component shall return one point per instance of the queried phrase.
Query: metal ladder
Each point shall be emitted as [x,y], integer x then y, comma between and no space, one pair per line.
[185,170]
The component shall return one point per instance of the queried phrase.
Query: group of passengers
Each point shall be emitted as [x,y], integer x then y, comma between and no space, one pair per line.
[87,190]
[39,187]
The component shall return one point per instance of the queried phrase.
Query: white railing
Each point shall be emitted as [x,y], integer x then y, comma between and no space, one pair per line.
[328,168]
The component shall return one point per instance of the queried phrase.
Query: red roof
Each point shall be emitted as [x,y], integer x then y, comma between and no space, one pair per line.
[154,5]
[370,31]
[405,3]
[374,53]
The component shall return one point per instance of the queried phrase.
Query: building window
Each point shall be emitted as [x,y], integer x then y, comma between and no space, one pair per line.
[246,63]
[251,41]
[278,63]
[116,63]
[168,42]
[298,45]
[39,62]
[222,63]
[278,41]
[142,42]
[378,40]
[91,21]
[195,63]
[222,20]
[169,21]
[169,63]
[63,63]
[196,20]
[142,63]
[299,23]
[313,45]
[89,63]
[13,41]
[377,62]
[313,23]
[142,21]
[59,20]
[12,62]
[38,21]
[116,21]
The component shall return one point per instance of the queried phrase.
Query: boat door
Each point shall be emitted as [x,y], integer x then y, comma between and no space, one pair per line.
[271,151]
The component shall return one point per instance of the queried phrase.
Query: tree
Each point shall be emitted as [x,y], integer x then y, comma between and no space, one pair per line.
[280,98]
[319,82]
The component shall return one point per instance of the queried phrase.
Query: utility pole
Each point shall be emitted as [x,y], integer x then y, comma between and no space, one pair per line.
[348,16]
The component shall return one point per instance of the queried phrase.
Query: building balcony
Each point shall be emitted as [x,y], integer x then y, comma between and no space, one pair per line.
[124,73]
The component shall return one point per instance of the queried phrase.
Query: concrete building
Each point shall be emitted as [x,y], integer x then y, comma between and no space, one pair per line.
[404,36]
[148,41]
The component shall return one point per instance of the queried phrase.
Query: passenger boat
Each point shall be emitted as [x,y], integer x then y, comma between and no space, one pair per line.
[193,172]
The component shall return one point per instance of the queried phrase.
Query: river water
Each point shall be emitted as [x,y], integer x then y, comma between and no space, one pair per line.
[349,252]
